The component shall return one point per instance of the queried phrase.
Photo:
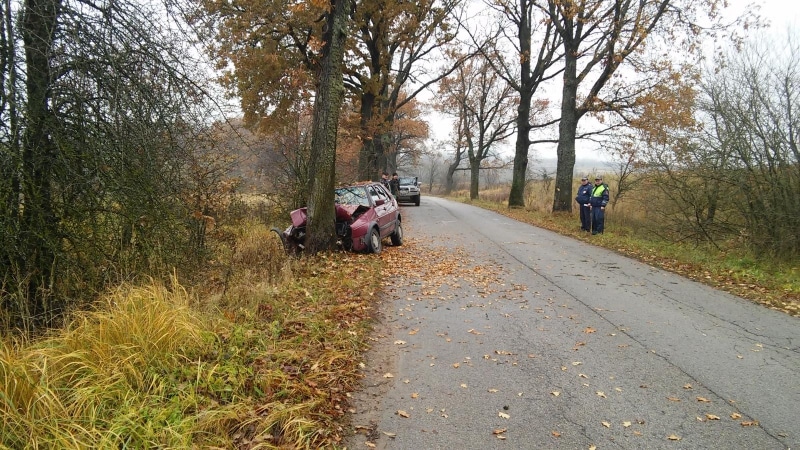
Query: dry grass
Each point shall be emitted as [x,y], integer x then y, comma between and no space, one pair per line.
[262,355]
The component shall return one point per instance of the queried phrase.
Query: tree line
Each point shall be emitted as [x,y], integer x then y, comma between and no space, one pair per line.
[115,164]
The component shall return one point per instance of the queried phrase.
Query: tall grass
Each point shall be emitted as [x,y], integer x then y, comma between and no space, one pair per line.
[100,381]
[260,355]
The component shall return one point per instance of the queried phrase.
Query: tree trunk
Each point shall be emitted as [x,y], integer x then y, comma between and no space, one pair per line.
[475,173]
[567,130]
[516,198]
[519,173]
[39,227]
[450,183]
[321,231]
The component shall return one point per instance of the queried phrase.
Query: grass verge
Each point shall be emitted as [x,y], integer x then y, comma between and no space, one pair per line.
[263,355]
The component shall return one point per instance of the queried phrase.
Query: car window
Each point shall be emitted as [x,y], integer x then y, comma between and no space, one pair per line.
[408,180]
[382,192]
[373,192]
[354,195]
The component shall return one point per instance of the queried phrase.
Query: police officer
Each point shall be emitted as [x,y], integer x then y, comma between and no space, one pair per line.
[583,197]
[598,202]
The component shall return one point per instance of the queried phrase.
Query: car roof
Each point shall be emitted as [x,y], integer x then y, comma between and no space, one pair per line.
[357,184]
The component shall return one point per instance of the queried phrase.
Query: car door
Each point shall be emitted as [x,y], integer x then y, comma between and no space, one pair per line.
[385,211]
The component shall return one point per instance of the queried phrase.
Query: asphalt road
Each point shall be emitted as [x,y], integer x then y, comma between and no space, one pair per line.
[512,337]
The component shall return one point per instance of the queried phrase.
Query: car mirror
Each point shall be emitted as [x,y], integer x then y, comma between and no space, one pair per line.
[379,202]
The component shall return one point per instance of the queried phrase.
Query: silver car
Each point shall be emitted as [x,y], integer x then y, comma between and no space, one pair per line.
[409,190]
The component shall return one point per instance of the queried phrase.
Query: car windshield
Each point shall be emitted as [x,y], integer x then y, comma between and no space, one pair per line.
[408,180]
[353,195]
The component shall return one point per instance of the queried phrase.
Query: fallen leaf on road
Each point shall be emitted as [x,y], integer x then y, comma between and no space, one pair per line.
[556,393]
[687,386]
[464,385]
[626,424]
[703,400]
[712,417]
[500,431]
[370,444]
[736,416]
[503,352]
[501,437]
[391,435]
[402,413]
[414,331]
[589,330]
[415,395]
[673,399]
[399,342]
[606,424]
[672,437]
[750,423]
[582,375]
[601,394]
[503,415]
[456,365]
[577,363]
[493,390]
[388,375]
[555,433]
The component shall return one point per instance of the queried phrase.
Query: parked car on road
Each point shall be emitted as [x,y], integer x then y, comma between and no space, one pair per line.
[366,213]
[409,190]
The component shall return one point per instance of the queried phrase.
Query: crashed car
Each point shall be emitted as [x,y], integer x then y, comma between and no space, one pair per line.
[409,190]
[366,213]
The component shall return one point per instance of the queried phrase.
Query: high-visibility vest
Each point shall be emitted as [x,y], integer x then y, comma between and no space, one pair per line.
[598,193]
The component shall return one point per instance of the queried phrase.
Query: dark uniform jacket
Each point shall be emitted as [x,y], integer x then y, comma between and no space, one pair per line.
[584,193]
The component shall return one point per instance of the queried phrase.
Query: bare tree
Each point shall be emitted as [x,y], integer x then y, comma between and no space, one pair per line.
[626,166]
[432,163]
[525,70]
[486,103]
[100,115]
[598,37]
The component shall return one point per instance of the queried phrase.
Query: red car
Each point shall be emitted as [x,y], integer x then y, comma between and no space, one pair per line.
[366,213]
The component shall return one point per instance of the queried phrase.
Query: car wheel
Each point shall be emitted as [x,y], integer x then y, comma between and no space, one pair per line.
[374,243]
[397,236]
[416,200]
